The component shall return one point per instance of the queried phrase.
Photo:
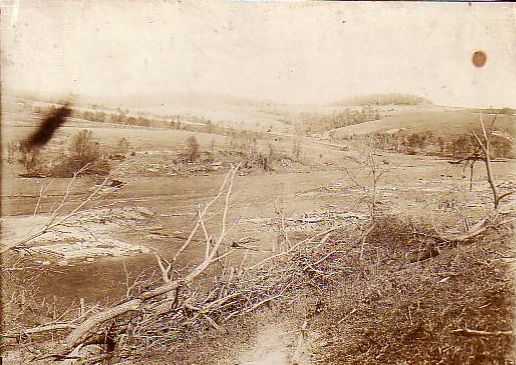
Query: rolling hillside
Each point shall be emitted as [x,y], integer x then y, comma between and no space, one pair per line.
[443,123]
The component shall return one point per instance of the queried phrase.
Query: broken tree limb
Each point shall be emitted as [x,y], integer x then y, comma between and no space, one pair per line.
[39,329]
[140,304]
[293,247]
[83,331]
[470,332]
[481,226]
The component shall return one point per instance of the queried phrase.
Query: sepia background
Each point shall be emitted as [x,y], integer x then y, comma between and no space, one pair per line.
[297,52]
[257,182]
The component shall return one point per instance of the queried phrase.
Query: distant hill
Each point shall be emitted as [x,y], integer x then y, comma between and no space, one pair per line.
[224,110]
[221,109]
[442,123]
[383,99]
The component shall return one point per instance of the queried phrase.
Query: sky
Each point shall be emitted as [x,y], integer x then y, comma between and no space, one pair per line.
[291,52]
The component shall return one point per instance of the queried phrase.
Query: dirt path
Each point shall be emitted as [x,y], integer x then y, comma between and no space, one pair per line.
[275,344]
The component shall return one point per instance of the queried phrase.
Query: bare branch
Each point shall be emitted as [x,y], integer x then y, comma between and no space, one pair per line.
[84,330]
[52,223]
[470,332]
[39,329]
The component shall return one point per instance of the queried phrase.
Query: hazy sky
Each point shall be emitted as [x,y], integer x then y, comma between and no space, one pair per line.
[291,52]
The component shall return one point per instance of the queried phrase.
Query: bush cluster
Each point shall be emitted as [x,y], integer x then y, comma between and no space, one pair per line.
[83,151]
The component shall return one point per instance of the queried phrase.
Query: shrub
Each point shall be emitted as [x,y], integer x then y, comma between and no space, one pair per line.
[83,151]
[30,158]
[12,148]
[462,146]
[501,147]
[192,149]
[122,147]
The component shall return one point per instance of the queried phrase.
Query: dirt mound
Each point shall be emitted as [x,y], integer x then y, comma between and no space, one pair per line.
[453,308]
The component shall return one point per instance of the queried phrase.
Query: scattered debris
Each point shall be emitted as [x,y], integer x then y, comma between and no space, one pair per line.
[308,221]
[117,157]
[87,235]
[165,163]
[116,183]
[241,243]
[89,249]
[115,215]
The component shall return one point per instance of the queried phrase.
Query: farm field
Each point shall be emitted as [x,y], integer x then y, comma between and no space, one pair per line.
[441,121]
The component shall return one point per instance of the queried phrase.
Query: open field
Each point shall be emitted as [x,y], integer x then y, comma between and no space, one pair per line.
[441,121]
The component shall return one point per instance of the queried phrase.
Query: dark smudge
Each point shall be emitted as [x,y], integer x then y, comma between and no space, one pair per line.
[48,126]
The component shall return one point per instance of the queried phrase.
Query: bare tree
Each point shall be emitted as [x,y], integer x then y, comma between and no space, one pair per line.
[484,143]
[483,153]
[369,161]
[375,168]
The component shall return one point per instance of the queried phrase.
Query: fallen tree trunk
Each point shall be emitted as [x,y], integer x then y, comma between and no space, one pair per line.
[83,331]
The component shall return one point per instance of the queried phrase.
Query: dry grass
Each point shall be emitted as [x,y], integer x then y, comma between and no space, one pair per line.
[395,312]
[381,309]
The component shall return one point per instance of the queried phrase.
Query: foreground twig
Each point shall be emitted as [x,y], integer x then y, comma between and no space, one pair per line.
[54,221]
[86,328]
[39,329]
[470,332]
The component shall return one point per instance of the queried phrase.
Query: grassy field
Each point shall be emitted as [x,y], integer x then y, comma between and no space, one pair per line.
[444,122]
